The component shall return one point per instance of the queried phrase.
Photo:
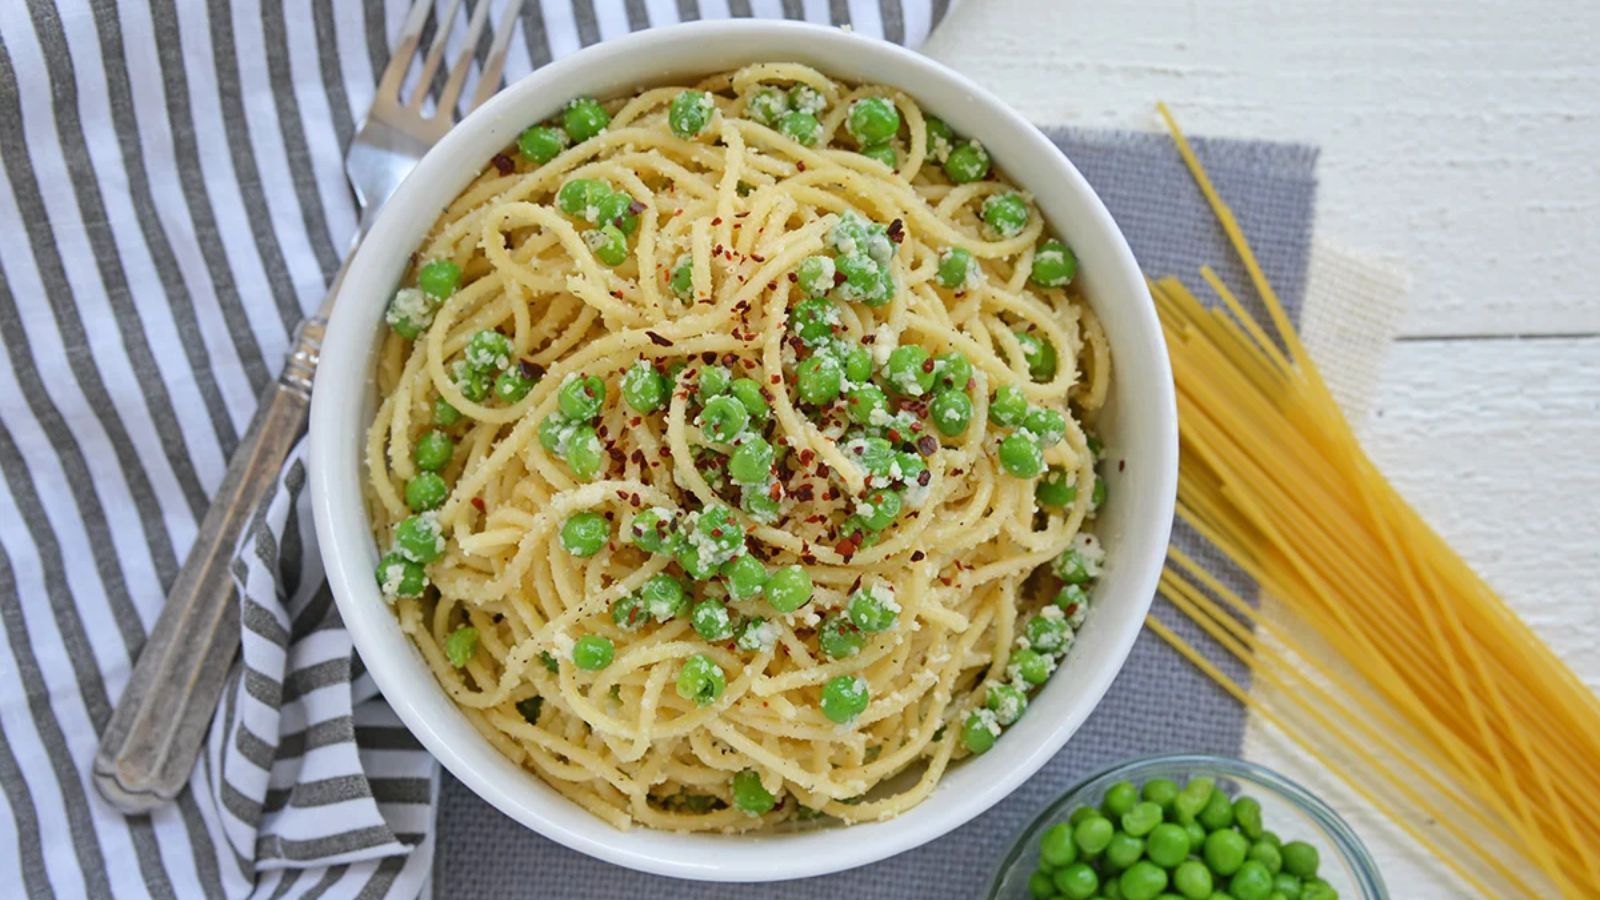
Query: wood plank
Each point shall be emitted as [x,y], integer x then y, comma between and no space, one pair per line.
[1459,141]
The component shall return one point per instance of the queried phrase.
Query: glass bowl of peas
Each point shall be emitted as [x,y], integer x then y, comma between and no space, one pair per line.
[1189,826]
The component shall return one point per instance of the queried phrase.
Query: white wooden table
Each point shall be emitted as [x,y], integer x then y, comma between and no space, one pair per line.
[1459,141]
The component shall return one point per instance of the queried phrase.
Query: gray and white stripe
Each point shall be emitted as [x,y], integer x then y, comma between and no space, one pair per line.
[172,202]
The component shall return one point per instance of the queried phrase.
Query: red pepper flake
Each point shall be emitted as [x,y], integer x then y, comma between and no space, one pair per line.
[622,495]
[897,231]
[530,370]
[1121,464]
[944,581]
[800,165]
[776,379]
[717,250]
[808,559]
[657,339]
[918,556]
[477,503]
[772,285]
[717,221]
[926,445]
[893,436]
[847,548]
[677,212]
[927,364]
[636,457]
[602,431]
[635,421]
[1072,609]
[758,257]
[924,477]
[709,357]
[793,278]
[617,294]
[838,278]
[637,207]
[869,339]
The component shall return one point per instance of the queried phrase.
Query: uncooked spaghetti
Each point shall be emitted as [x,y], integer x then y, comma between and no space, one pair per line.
[733,452]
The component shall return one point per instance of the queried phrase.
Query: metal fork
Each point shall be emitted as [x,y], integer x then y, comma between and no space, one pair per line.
[150,745]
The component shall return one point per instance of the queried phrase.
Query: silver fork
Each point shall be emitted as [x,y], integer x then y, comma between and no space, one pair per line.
[150,745]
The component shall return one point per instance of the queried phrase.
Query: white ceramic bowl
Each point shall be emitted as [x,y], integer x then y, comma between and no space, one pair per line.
[1139,426]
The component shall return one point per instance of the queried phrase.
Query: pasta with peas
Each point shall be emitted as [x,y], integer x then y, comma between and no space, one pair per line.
[734,455]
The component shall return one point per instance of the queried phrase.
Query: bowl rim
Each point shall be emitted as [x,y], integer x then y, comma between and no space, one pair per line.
[1345,840]
[344,533]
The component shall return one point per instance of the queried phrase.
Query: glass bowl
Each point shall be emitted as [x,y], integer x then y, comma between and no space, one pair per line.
[1287,809]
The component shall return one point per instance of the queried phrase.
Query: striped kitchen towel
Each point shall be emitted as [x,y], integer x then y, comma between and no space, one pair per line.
[172,203]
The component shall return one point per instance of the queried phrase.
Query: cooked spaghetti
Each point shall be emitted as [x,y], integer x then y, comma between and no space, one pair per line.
[733,452]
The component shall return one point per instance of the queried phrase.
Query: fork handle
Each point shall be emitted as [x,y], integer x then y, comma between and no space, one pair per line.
[151,743]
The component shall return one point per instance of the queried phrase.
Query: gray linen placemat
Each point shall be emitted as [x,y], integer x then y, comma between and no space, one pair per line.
[1159,703]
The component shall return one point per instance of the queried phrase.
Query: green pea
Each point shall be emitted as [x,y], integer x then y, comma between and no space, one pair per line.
[1056,848]
[554,431]
[581,197]
[1247,815]
[439,278]
[939,138]
[911,468]
[1144,880]
[445,415]
[861,280]
[840,638]
[1039,354]
[1056,489]
[583,534]
[1077,881]
[701,680]
[1193,798]
[1160,791]
[910,370]
[681,282]
[609,244]
[866,403]
[755,635]
[815,275]
[644,388]
[977,733]
[884,153]
[751,461]
[1072,567]
[696,565]
[1020,455]
[1006,214]
[711,621]
[800,127]
[1300,859]
[872,120]
[1197,835]
[513,384]
[1082,813]
[818,379]
[1224,851]
[419,539]
[1193,880]
[714,381]
[433,451]
[1034,667]
[760,505]
[1271,838]
[844,698]
[1006,702]
[488,349]
[1093,834]
[748,392]
[1288,885]
[872,610]
[1167,845]
[593,652]
[879,509]
[461,646]
[1144,816]
[628,613]
[426,491]
[813,320]
[401,577]
[1050,634]
[1218,812]
[584,453]
[1317,889]
[951,412]
[1252,881]
[1119,799]
[663,597]
[966,163]
[957,269]
[1008,406]
[723,419]
[1123,851]
[789,588]
[1045,424]
[749,797]
[473,383]
[806,98]
[690,112]
[744,576]
[584,119]
[618,209]
[542,143]
[1054,264]
[653,531]
[720,532]
[1268,855]
[767,105]
[581,397]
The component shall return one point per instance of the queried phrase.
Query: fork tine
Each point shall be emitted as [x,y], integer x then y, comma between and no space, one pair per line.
[463,64]
[394,74]
[435,53]
[489,78]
